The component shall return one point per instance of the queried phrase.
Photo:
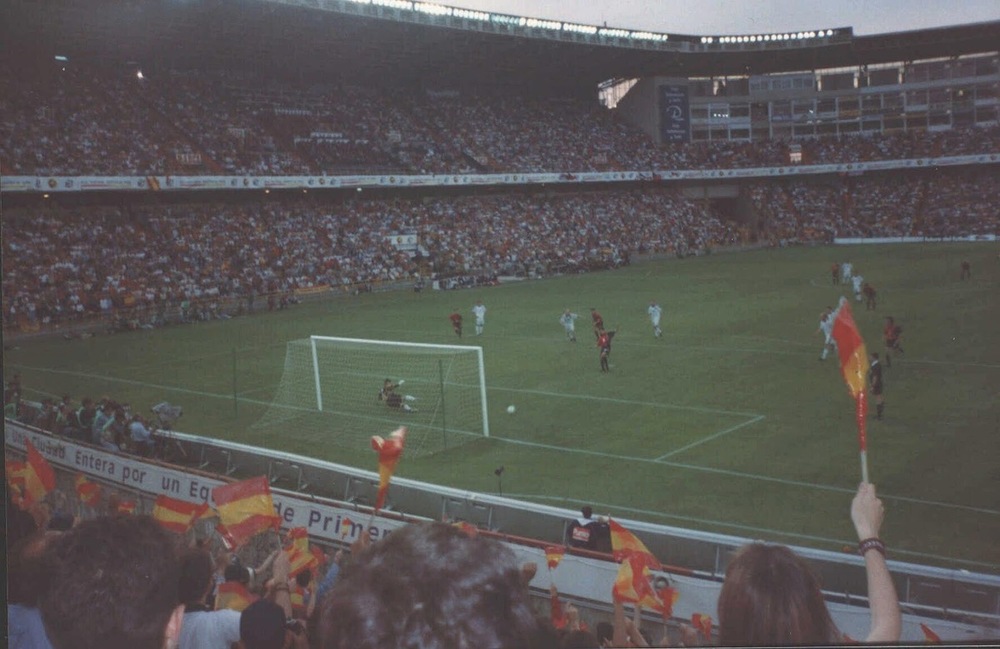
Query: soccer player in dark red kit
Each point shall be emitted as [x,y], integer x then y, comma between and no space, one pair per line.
[456,322]
[604,339]
[875,380]
[868,291]
[598,321]
[891,334]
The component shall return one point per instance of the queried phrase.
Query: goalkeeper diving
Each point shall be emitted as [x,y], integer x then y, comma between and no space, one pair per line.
[394,399]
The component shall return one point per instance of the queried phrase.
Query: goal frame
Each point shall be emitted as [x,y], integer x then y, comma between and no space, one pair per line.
[465,349]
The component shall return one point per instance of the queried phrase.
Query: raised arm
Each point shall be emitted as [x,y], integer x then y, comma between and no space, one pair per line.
[867,513]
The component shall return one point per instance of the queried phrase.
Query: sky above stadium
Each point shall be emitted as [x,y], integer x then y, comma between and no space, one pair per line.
[710,17]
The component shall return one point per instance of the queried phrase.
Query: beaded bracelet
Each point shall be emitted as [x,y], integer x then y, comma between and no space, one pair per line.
[874,543]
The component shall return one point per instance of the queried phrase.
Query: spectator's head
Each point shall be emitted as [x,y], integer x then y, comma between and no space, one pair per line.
[431,586]
[771,597]
[28,575]
[262,625]
[113,585]
[195,576]
[587,511]
[303,578]
[236,571]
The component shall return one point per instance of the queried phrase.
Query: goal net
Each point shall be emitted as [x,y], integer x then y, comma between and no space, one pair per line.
[333,388]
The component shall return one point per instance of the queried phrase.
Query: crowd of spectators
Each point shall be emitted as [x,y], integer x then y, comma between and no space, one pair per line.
[109,579]
[79,121]
[135,266]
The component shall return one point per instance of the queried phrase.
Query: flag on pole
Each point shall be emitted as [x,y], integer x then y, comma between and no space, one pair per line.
[246,508]
[553,555]
[854,367]
[177,515]
[389,452]
[624,544]
[299,556]
[89,493]
[632,584]
[39,478]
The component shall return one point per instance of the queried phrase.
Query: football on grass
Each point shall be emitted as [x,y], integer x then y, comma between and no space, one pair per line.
[511,410]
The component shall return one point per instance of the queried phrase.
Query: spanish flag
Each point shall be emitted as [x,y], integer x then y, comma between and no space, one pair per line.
[39,478]
[89,493]
[233,595]
[177,515]
[15,480]
[668,597]
[246,508]
[299,556]
[632,584]
[625,544]
[554,555]
[703,624]
[854,367]
[389,452]
[125,507]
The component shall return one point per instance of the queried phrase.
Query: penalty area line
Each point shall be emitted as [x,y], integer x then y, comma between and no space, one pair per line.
[705,440]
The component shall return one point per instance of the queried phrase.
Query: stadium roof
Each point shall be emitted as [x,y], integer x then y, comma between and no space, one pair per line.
[383,41]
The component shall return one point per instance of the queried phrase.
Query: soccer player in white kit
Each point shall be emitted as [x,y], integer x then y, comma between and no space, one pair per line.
[845,272]
[856,281]
[655,312]
[826,326]
[480,312]
[568,321]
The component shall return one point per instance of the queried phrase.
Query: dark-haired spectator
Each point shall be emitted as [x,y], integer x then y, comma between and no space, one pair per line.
[770,596]
[203,627]
[27,579]
[589,533]
[430,585]
[113,585]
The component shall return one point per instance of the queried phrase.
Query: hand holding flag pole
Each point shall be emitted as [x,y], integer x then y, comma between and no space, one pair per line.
[854,367]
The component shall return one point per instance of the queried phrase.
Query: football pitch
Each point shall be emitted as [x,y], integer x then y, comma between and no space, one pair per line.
[727,423]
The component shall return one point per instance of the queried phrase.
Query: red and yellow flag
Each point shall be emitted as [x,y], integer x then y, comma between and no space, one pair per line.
[389,452]
[299,556]
[469,529]
[89,493]
[177,515]
[554,555]
[227,538]
[632,584]
[125,507]
[15,480]
[39,478]
[668,597]
[929,635]
[854,366]
[703,624]
[246,508]
[625,544]
[234,595]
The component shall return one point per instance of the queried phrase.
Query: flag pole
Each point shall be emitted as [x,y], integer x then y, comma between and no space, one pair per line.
[861,412]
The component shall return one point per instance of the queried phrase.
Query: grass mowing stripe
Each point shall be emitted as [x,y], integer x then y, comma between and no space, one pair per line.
[629,402]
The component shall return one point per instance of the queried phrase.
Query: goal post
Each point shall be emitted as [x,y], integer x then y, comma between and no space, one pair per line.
[331,390]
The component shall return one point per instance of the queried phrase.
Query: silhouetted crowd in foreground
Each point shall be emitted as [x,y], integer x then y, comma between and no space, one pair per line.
[123,580]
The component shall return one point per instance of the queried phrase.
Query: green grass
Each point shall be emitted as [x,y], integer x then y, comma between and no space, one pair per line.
[729,423]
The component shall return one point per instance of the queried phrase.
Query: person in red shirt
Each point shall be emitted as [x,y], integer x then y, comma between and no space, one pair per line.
[835,272]
[598,321]
[604,339]
[891,334]
[456,322]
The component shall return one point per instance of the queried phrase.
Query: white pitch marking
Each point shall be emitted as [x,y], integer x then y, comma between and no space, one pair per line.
[704,440]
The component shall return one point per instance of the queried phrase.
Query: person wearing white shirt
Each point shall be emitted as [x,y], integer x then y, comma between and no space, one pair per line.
[480,312]
[655,311]
[568,321]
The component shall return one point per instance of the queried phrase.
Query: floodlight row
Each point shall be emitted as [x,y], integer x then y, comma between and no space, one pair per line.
[765,38]
[434,9]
